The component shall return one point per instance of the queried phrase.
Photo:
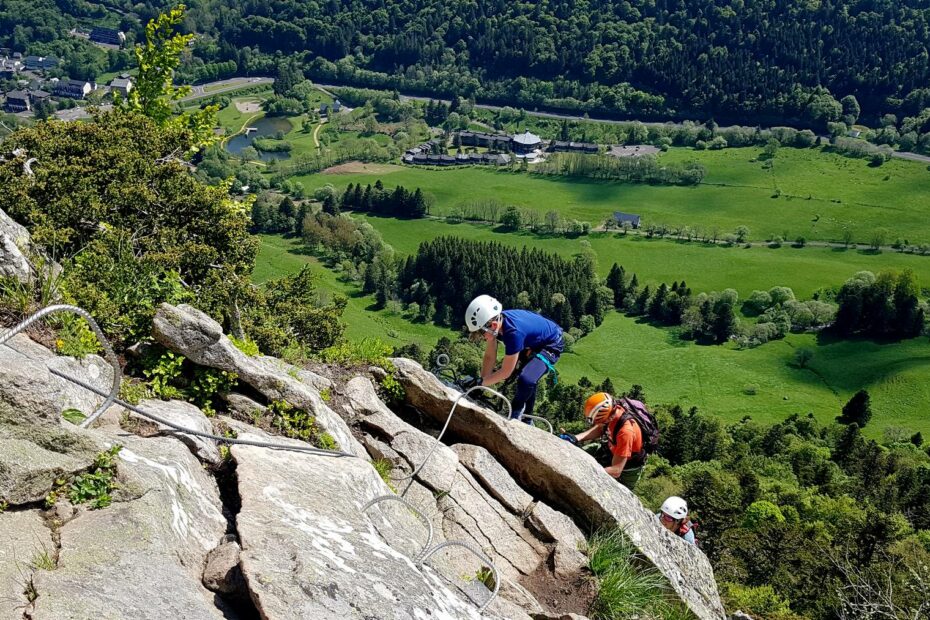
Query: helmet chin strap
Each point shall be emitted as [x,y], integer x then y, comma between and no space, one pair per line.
[488,330]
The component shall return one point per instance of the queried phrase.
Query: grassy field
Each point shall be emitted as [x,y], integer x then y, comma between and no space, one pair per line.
[704,267]
[763,382]
[280,256]
[717,379]
[821,193]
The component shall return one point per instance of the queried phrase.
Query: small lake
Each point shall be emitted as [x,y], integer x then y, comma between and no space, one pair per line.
[267,126]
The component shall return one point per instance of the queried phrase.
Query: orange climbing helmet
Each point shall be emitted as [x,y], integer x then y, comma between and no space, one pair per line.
[598,407]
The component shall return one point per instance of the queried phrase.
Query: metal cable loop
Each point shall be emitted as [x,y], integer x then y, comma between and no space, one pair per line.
[537,418]
[481,556]
[455,404]
[108,353]
[429,525]
[188,431]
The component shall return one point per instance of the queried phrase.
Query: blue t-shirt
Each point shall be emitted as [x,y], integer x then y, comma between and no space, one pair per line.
[527,330]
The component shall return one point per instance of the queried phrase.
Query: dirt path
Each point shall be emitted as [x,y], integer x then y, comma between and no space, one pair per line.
[316,133]
[357,167]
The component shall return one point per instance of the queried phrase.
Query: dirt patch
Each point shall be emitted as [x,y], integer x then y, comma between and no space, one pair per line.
[357,167]
[573,595]
[249,107]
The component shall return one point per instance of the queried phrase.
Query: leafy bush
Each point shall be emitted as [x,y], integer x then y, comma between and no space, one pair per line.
[134,223]
[761,600]
[246,346]
[206,384]
[93,487]
[289,311]
[296,423]
[163,369]
[75,338]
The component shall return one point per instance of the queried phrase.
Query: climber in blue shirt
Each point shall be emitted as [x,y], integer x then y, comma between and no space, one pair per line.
[537,339]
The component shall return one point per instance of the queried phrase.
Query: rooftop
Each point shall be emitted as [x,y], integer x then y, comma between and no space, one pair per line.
[527,138]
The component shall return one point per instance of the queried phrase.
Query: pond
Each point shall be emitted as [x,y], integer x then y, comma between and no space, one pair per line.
[266,126]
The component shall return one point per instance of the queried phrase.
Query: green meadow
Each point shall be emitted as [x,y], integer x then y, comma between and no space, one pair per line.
[810,193]
[705,267]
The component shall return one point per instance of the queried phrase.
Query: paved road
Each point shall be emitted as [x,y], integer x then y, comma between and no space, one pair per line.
[224,86]
[79,113]
[911,156]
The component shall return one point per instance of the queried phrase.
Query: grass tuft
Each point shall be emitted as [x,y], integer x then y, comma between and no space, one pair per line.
[627,587]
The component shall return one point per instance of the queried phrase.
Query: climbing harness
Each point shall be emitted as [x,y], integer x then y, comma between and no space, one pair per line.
[555,373]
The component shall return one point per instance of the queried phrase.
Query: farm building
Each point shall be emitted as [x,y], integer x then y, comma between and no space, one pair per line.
[628,218]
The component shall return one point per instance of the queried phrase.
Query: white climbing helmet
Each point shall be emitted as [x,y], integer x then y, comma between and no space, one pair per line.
[675,507]
[482,309]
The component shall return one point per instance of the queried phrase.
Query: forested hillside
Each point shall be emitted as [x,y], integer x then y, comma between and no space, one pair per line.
[759,61]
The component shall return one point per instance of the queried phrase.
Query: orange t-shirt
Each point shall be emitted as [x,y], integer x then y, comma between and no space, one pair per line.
[629,438]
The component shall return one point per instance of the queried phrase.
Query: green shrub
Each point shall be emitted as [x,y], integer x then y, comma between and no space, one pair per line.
[163,369]
[761,512]
[296,423]
[761,600]
[246,346]
[93,487]
[75,338]
[286,316]
[206,384]
[134,392]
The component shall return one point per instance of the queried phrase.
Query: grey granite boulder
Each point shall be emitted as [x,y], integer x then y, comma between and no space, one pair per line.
[494,477]
[185,415]
[25,547]
[14,241]
[308,551]
[193,334]
[36,445]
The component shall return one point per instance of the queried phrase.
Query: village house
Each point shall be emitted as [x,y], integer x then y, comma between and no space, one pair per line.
[560,146]
[108,36]
[526,142]
[73,89]
[17,101]
[628,218]
[122,85]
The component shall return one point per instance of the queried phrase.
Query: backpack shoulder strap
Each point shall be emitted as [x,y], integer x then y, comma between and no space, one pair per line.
[623,420]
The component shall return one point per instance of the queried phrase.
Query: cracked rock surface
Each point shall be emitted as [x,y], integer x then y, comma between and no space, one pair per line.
[142,557]
[309,552]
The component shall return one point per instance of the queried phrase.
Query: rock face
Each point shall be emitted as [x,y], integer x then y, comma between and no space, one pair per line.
[145,553]
[309,552]
[36,446]
[188,416]
[569,479]
[193,334]
[473,499]
[14,239]
[25,547]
